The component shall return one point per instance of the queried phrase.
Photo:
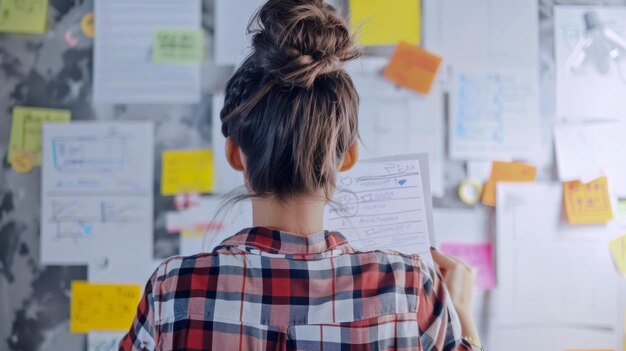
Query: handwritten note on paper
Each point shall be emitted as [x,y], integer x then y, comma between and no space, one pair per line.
[413,67]
[506,172]
[488,108]
[123,68]
[384,205]
[479,256]
[178,46]
[386,22]
[587,203]
[23,16]
[26,129]
[102,306]
[187,171]
[618,251]
[96,189]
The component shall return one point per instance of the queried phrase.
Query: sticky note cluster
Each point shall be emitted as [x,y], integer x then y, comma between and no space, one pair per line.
[25,139]
[380,22]
[618,251]
[413,67]
[187,171]
[477,255]
[178,46]
[506,172]
[103,307]
[587,203]
[23,16]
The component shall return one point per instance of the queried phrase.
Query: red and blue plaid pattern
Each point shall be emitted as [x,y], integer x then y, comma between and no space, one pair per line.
[268,290]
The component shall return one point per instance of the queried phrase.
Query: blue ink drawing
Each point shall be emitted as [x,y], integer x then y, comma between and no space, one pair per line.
[87,229]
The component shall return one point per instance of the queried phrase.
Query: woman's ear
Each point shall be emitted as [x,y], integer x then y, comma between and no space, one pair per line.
[234,155]
[351,157]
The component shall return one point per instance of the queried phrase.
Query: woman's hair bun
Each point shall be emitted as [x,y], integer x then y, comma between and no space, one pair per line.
[297,41]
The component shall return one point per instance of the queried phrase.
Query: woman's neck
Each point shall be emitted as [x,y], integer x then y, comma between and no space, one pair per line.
[303,215]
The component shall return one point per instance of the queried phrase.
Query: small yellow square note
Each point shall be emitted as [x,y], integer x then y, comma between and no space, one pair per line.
[587,203]
[187,171]
[618,251]
[103,307]
[23,16]
[26,129]
[379,22]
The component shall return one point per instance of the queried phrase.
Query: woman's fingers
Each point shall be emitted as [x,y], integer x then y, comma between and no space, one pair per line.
[447,262]
[444,261]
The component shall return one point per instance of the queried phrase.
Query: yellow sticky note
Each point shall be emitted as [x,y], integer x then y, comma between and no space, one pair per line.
[587,203]
[618,251]
[23,16]
[178,46]
[197,233]
[26,129]
[506,172]
[103,307]
[380,22]
[187,171]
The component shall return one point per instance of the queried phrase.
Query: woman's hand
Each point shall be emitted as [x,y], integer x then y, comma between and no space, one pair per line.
[459,278]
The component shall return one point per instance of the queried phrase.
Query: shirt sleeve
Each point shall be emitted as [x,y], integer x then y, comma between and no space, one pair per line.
[142,335]
[438,322]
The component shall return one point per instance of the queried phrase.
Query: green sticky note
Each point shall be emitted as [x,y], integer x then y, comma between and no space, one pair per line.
[26,129]
[178,46]
[23,16]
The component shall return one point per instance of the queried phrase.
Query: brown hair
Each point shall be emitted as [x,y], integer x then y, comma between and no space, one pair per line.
[291,107]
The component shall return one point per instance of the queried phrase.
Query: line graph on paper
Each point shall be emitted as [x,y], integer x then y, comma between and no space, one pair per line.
[77,219]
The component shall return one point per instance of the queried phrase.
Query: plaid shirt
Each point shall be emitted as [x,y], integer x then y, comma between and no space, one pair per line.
[268,290]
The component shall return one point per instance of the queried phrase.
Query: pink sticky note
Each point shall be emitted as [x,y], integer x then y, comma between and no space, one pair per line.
[477,255]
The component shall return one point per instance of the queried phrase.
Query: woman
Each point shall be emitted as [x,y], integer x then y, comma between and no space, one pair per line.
[290,118]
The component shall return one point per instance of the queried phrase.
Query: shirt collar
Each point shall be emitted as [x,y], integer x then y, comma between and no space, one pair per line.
[278,242]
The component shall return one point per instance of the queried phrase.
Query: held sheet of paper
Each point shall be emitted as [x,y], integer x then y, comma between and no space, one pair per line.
[123,67]
[385,204]
[96,191]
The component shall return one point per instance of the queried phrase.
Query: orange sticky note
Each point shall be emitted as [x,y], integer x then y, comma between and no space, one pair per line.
[506,172]
[587,203]
[413,67]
